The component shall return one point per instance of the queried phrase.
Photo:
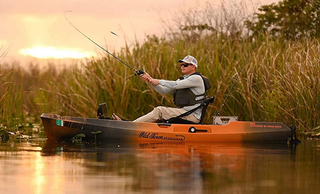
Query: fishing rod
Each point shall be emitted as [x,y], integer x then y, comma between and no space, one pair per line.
[137,72]
[234,81]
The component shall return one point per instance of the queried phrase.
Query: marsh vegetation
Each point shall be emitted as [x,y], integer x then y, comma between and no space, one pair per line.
[279,80]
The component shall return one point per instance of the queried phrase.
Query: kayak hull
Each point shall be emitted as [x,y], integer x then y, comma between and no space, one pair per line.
[65,127]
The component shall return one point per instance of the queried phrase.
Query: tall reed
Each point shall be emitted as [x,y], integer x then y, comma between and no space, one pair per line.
[279,80]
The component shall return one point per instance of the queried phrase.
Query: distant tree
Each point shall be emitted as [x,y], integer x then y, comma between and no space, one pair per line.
[290,19]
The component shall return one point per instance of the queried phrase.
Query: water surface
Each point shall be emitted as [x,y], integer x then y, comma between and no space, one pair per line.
[39,167]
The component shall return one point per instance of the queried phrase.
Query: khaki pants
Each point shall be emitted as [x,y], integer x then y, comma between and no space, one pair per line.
[161,112]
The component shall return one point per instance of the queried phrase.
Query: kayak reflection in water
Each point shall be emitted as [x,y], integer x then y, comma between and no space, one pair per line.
[189,91]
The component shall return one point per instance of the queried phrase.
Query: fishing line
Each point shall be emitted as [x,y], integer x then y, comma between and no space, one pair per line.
[234,81]
[137,72]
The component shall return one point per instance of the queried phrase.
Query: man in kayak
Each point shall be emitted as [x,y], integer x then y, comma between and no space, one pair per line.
[188,91]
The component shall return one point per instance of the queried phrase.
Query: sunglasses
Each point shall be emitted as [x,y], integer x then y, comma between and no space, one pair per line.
[185,64]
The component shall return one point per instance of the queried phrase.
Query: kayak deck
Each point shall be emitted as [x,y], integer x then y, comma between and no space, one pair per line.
[65,127]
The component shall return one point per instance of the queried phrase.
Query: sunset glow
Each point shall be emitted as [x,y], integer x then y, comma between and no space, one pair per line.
[52,52]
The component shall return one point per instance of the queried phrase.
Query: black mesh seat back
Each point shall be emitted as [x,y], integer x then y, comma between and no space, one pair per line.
[204,106]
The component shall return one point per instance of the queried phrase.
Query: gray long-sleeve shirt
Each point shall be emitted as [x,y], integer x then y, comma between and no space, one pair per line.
[194,83]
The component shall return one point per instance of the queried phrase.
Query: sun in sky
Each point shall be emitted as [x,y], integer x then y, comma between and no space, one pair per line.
[52,52]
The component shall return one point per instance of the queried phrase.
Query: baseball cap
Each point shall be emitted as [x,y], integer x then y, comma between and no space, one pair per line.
[189,59]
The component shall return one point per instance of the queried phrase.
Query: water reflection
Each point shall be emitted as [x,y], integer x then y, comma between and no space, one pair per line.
[158,167]
[181,167]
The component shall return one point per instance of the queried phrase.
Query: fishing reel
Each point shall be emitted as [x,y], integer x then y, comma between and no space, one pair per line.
[139,72]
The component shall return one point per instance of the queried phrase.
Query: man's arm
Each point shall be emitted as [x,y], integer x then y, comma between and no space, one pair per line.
[190,82]
[162,89]
[167,87]
[154,83]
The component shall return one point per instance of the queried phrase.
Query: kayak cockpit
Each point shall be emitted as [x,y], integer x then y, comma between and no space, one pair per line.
[177,120]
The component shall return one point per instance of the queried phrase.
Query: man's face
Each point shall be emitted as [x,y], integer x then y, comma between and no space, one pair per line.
[187,68]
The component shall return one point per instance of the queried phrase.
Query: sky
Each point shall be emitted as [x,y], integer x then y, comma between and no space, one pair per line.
[32,30]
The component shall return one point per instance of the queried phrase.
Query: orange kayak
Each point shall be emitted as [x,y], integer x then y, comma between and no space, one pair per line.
[65,127]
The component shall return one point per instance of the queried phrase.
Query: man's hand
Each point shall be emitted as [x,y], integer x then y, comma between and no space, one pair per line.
[147,78]
[154,82]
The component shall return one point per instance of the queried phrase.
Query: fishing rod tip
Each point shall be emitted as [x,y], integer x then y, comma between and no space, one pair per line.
[113,33]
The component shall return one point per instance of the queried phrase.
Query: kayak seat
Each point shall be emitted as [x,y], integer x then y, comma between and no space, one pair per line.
[204,105]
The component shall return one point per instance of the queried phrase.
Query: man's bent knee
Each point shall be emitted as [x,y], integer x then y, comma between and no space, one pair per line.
[157,111]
